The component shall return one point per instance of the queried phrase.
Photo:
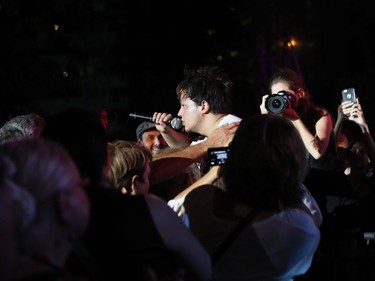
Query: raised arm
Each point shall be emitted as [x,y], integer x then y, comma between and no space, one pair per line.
[168,165]
[340,119]
[316,144]
[356,114]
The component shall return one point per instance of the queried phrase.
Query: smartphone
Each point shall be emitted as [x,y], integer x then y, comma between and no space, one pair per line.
[217,156]
[349,95]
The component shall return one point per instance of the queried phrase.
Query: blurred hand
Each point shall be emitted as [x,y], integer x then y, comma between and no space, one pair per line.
[262,106]
[290,113]
[223,135]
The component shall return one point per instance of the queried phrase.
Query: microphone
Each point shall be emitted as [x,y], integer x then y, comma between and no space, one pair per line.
[175,123]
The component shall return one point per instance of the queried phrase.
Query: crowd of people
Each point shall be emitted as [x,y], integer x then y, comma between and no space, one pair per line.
[76,205]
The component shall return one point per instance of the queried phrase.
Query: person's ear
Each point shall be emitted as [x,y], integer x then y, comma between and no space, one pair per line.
[205,106]
[134,188]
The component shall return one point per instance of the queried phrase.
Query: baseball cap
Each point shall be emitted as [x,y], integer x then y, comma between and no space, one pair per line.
[144,127]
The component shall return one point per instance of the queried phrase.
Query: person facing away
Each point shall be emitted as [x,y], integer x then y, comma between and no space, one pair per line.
[17,210]
[27,125]
[150,137]
[127,235]
[263,178]
[130,167]
[62,208]
[205,96]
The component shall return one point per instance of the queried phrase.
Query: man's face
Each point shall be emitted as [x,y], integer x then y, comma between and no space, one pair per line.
[190,114]
[153,141]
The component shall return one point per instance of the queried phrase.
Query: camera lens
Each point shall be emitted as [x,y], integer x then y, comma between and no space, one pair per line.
[275,104]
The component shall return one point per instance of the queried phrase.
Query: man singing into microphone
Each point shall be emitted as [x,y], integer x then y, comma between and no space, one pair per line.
[205,96]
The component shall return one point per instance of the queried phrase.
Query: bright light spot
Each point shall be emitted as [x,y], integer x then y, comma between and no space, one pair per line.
[65,73]
[292,43]
[56,27]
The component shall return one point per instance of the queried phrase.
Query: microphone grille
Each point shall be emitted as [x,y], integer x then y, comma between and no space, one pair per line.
[176,123]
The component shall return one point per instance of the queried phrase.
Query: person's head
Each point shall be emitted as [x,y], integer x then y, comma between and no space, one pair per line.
[204,90]
[85,138]
[266,163]
[130,167]
[150,137]
[357,155]
[62,208]
[285,79]
[17,208]
[28,125]
[10,133]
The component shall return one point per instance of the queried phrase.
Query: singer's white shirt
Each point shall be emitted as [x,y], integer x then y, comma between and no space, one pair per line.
[177,204]
[230,118]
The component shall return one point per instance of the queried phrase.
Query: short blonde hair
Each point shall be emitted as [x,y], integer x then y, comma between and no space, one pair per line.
[128,158]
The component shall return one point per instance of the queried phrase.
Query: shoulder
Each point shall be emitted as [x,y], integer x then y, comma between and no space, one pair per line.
[230,118]
[322,112]
[325,117]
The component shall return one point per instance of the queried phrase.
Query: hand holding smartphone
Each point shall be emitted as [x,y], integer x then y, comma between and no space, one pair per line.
[349,95]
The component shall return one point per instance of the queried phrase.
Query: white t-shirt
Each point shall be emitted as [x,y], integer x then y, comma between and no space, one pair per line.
[177,204]
[276,248]
[230,118]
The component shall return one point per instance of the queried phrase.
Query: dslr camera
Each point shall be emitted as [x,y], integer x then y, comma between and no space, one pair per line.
[276,103]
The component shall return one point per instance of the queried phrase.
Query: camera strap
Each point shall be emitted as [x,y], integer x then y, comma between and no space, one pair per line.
[232,236]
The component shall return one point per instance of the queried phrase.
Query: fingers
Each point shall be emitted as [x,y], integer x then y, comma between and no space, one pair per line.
[262,107]
[160,117]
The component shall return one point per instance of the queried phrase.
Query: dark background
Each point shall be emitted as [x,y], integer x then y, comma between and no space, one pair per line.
[128,56]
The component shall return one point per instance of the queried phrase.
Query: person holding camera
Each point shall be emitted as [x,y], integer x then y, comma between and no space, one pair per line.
[315,126]
[290,98]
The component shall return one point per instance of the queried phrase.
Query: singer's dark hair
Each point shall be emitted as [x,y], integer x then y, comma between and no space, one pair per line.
[210,84]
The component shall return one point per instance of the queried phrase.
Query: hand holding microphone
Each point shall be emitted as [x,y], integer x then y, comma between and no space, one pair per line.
[174,123]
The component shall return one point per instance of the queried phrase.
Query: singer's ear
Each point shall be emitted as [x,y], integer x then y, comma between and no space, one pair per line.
[205,106]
